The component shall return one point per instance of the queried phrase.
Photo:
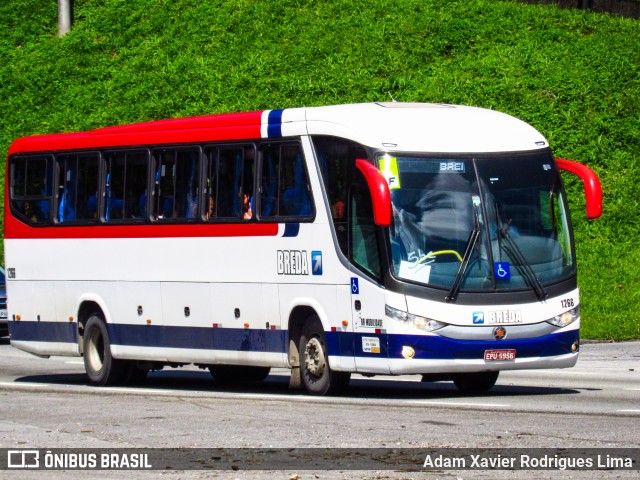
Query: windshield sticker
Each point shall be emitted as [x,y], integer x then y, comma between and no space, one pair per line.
[370,344]
[502,270]
[418,272]
[389,170]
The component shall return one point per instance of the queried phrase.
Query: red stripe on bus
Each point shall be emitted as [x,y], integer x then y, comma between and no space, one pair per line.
[211,128]
[17,230]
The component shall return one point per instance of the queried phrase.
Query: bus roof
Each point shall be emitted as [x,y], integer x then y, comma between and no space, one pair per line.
[424,127]
[393,126]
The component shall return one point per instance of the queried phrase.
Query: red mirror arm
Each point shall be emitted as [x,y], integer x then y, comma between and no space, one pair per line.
[380,194]
[592,187]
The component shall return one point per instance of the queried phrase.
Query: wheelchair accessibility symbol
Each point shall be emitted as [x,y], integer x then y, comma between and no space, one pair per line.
[501,270]
[355,288]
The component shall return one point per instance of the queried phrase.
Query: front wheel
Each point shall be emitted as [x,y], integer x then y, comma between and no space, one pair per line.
[476,382]
[102,369]
[315,372]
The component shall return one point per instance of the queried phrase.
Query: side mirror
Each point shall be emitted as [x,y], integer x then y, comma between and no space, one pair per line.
[591,182]
[380,194]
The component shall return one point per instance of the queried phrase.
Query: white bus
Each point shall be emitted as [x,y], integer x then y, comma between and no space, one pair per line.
[382,238]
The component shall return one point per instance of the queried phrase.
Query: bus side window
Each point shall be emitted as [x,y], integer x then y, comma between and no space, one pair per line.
[336,159]
[77,187]
[365,251]
[176,184]
[295,196]
[31,188]
[211,184]
[284,182]
[270,172]
[246,188]
[230,173]
[125,183]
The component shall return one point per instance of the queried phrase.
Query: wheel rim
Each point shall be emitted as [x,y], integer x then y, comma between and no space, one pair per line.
[314,357]
[95,355]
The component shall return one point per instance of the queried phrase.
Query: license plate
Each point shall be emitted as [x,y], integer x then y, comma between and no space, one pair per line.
[499,355]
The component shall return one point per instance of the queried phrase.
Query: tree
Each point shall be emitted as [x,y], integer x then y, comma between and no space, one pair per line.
[65,16]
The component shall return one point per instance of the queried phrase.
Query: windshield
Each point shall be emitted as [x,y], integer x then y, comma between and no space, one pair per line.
[479,223]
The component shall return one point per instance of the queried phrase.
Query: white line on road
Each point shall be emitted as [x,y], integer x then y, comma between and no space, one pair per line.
[265,396]
[460,404]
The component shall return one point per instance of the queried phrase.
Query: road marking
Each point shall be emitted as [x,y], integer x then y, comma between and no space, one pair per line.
[264,396]
[629,410]
[574,372]
[461,404]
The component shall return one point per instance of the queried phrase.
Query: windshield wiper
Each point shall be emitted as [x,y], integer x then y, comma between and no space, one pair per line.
[468,251]
[521,263]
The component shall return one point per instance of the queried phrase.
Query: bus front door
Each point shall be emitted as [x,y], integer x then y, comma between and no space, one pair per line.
[370,344]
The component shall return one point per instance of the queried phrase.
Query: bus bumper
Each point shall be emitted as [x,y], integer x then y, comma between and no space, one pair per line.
[421,354]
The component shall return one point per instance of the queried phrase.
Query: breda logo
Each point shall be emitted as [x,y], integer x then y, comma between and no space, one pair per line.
[292,262]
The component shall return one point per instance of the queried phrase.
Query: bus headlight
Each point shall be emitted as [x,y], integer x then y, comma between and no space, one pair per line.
[565,318]
[427,324]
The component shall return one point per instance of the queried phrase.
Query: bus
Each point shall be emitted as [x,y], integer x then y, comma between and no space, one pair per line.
[379,239]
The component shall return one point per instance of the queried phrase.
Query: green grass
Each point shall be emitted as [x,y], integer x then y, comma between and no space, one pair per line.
[574,75]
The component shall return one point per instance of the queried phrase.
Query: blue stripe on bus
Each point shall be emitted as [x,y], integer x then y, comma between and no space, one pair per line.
[291,229]
[343,344]
[200,338]
[442,348]
[274,127]
[63,332]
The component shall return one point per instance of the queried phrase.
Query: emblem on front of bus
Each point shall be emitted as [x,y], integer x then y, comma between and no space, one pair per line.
[499,333]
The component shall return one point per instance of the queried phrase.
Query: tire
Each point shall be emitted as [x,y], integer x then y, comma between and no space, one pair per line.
[238,373]
[476,382]
[315,372]
[102,369]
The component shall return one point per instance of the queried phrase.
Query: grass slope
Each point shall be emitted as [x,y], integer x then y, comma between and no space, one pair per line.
[573,74]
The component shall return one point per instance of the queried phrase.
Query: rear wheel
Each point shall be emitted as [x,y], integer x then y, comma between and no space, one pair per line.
[102,369]
[315,372]
[238,373]
[476,382]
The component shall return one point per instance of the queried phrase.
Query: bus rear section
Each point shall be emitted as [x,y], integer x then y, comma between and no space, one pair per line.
[370,238]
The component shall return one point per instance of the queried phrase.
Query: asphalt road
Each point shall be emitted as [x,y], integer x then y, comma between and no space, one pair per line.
[46,403]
